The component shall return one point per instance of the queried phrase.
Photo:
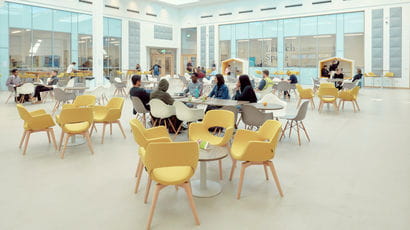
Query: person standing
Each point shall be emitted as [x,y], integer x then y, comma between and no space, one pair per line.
[333,67]
[292,80]
[71,68]
[228,70]
[138,68]
[48,87]
[358,75]
[156,70]
[189,66]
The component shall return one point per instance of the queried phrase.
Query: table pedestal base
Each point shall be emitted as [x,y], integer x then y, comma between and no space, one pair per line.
[76,140]
[210,189]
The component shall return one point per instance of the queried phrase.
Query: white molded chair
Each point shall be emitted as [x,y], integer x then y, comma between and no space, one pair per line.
[26,88]
[162,111]
[12,93]
[70,83]
[273,99]
[186,114]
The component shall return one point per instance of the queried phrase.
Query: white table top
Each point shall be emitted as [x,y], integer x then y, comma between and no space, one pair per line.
[213,101]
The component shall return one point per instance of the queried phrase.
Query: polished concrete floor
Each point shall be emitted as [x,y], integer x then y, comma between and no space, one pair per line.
[354,174]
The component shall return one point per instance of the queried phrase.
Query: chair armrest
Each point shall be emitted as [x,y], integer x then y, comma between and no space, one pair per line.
[38,112]
[246,135]
[258,151]
[196,130]
[69,106]
[42,121]
[160,139]
[228,135]
[156,132]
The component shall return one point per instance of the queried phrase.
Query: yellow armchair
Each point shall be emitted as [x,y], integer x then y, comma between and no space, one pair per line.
[214,118]
[109,114]
[36,121]
[81,101]
[349,95]
[256,148]
[75,121]
[327,95]
[143,137]
[305,94]
[171,164]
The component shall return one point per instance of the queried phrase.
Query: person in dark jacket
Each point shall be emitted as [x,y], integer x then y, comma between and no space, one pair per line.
[324,72]
[334,65]
[244,90]
[138,91]
[338,75]
[220,90]
[358,76]
[49,86]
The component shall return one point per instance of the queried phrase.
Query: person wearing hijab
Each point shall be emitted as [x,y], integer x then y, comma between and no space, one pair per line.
[161,93]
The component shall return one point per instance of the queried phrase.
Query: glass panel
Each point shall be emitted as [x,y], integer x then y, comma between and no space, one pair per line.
[242,31]
[42,18]
[61,50]
[114,26]
[85,24]
[255,30]
[62,21]
[85,52]
[255,52]
[112,55]
[224,50]
[20,44]
[269,55]
[308,26]
[225,32]
[188,41]
[353,22]
[291,26]
[326,24]
[19,15]
[307,53]
[291,52]
[243,49]
[354,48]
[270,29]
[41,50]
[326,46]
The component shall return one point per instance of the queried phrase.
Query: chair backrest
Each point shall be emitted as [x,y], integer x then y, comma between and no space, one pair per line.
[301,114]
[183,79]
[84,100]
[389,74]
[283,86]
[70,83]
[115,103]
[138,105]
[161,110]
[252,116]
[159,155]
[355,91]
[26,88]
[327,85]
[138,132]
[24,114]
[76,115]
[348,85]
[219,118]
[273,99]
[327,91]
[182,112]
[233,109]
[118,80]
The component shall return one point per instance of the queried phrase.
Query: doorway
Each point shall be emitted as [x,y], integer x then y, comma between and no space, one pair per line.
[165,58]
[184,61]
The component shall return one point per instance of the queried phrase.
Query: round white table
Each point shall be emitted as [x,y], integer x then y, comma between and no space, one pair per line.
[203,187]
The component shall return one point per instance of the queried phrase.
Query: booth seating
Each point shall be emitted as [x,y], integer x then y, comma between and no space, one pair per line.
[256,148]
[36,121]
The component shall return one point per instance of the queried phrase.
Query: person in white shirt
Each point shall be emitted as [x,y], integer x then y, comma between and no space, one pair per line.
[71,68]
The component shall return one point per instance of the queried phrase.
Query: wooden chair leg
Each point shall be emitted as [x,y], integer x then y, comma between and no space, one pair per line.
[238,195]
[154,203]
[284,129]
[53,138]
[103,133]
[304,129]
[297,128]
[139,175]
[111,129]
[22,138]
[26,142]
[147,189]
[48,136]
[357,105]
[313,103]
[299,101]
[65,145]
[266,172]
[87,137]
[122,130]
[172,125]
[61,139]
[220,169]
[343,106]
[232,169]
[178,130]
[138,167]
[275,176]
[187,187]
[290,128]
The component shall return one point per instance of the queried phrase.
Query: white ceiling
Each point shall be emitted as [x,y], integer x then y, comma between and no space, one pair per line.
[187,3]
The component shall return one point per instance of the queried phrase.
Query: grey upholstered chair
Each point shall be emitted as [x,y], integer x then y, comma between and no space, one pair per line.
[61,97]
[349,85]
[282,87]
[296,121]
[316,84]
[253,117]
[140,109]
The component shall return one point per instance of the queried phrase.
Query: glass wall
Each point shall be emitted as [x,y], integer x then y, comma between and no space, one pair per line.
[112,46]
[188,47]
[85,52]
[224,50]
[354,48]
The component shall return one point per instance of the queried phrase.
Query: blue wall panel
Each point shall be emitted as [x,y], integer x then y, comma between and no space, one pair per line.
[291,27]
[280,45]
[340,36]
[242,31]
[4,27]
[308,26]
[85,24]
[353,22]
[62,21]
[326,24]
[255,30]
[225,32]
[270,29]
[42,18]
[115,27]
[19,15]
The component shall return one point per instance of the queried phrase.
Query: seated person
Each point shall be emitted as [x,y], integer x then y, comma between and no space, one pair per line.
[244,90]
[200,75]
[338,75]
[220,91]
[14,81]
[194,87]
[161,94]
[138,91]
[292,80]
[49,86]
[358,76]
[266,83]
[325,72]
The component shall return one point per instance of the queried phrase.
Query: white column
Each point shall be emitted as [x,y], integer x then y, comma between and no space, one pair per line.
[125,45]
[207,64]
[386,45]
[198,46]
[367,41]
[98,41]
[216,46]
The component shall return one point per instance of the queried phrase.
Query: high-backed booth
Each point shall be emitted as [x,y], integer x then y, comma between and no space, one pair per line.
[240,66]
[346,64]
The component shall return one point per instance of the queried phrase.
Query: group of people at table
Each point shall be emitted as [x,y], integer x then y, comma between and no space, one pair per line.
[335,72]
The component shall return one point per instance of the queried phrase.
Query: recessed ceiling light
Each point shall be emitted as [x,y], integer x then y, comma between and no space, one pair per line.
[178,2]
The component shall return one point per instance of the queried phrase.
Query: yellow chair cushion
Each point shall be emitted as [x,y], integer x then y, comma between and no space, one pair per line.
[211,139]
[76,127]
[172,175]
[99,117]
[328,99]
